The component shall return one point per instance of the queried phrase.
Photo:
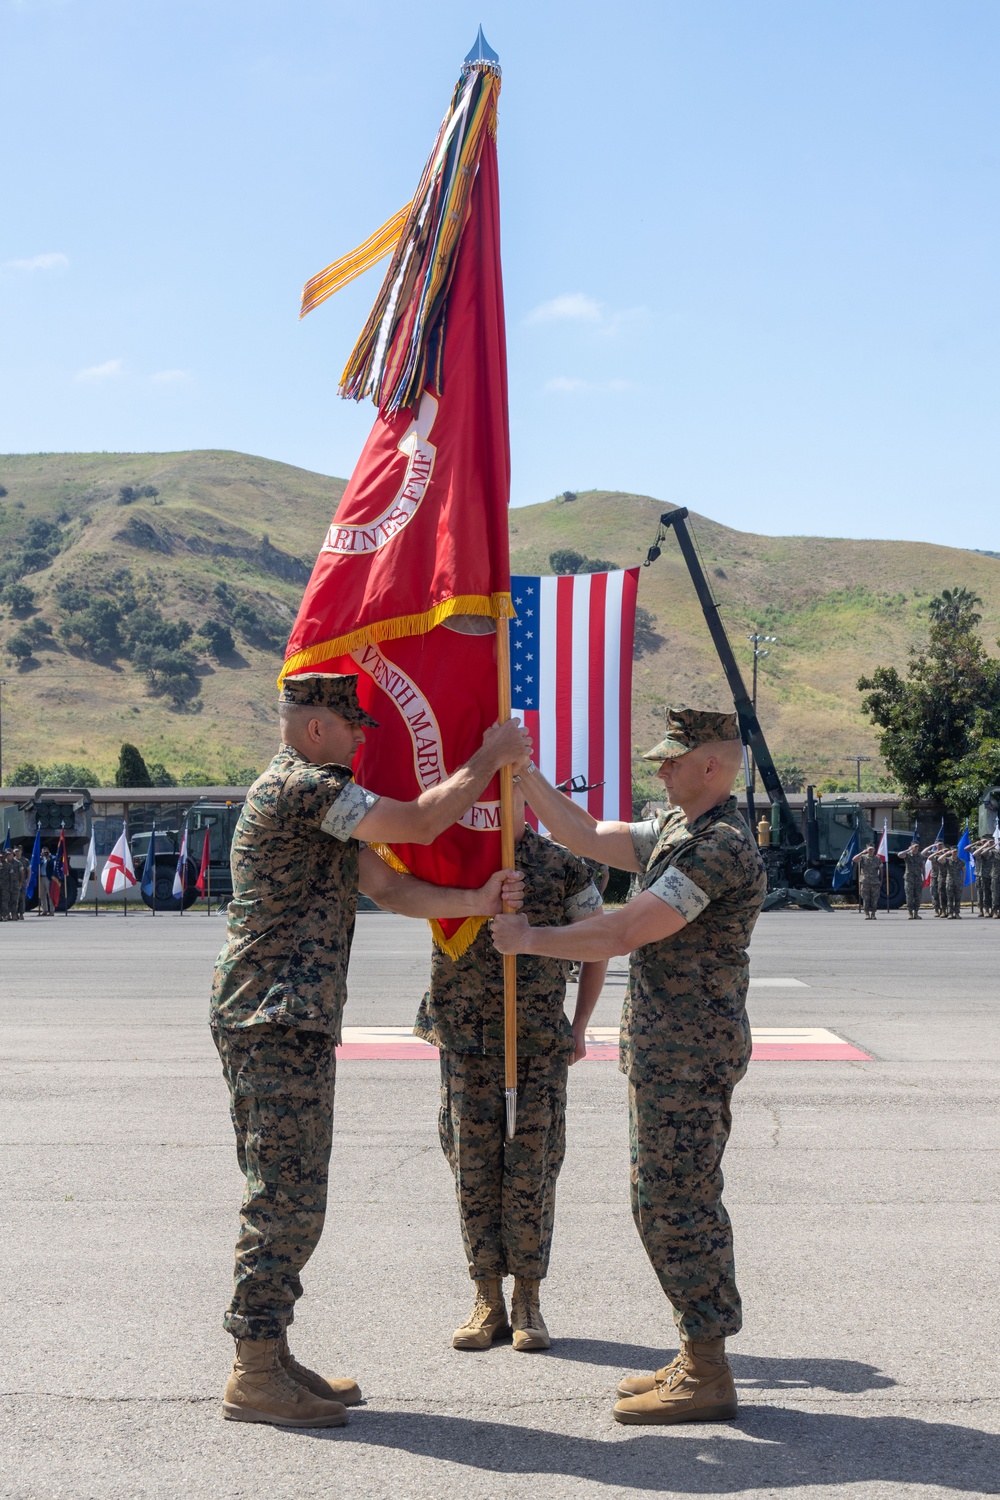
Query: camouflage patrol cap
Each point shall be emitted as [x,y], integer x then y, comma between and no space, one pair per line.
[690,727]
[336,690]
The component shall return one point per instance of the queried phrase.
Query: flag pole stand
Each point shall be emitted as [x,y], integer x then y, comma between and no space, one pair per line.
[507,857]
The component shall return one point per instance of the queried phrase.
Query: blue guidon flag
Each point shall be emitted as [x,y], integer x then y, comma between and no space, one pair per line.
[571,681]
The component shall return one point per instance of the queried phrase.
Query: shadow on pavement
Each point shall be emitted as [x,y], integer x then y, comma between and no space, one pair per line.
[847,1376]
[768,1448]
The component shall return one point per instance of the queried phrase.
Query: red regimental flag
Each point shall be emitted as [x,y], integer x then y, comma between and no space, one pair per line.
[201,883]
[420,536]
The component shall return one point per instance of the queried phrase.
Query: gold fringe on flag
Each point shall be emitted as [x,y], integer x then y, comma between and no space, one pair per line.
[496,606]
[466,935]
[375,248]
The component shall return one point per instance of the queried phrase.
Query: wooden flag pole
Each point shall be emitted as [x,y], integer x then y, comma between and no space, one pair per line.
[507,856]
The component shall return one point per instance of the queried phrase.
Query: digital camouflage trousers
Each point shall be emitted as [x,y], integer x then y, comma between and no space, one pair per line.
[506,1190]
[281,1083]
[870,893]
[676,1143]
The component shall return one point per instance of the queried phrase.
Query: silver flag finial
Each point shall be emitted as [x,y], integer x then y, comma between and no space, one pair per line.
[482,52]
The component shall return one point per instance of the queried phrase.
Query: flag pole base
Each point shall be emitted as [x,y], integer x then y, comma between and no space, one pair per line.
[510,1098]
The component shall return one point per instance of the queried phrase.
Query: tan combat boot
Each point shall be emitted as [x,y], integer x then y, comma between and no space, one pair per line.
[488,1318]
[698,1388]
[338,1388]
[639,1385]
[526,1319]
[260,1390]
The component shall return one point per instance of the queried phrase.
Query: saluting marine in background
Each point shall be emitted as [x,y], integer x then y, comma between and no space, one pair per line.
[913,879]
[870,875]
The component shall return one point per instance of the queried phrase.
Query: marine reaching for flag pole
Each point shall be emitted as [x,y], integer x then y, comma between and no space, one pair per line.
[411,588]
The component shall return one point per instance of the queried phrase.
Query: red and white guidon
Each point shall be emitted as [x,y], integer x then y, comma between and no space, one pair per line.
[118,874]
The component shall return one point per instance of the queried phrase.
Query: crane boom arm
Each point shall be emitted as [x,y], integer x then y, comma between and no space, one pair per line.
[750,731]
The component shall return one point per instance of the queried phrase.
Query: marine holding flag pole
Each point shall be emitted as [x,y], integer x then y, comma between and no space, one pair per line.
[415,568]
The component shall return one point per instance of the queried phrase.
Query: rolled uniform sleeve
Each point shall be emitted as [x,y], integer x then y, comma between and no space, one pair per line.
[583,903]
[346,811]
[327,800]
[644,840]
[680,892]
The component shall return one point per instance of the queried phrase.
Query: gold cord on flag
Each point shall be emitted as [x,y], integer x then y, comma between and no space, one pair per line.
[340,272]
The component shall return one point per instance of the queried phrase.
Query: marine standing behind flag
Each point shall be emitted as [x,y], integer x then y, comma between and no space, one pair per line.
[412,582]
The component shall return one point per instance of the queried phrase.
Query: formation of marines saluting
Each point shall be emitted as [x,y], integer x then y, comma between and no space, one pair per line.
[299,860]
[13,883]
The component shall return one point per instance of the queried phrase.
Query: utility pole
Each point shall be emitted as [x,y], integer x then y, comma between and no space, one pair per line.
[757,642]
[859,760]
[3,684]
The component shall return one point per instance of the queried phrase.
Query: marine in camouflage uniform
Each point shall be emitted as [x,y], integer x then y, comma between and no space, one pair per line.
[22,885]
[913,879]
[278,995]
[277,1002]
[934,853]
[506,1189]
[685,1040]
[954,867]
[870,875]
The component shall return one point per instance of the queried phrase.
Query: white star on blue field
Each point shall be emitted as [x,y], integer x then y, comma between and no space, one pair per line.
[524,642]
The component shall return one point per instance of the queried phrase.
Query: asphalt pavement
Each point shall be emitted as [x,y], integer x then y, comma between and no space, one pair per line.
[864,1197]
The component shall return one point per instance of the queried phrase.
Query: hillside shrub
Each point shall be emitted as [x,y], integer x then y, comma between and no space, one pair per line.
[128,493]
[159,775]
[147,630]
[218,638]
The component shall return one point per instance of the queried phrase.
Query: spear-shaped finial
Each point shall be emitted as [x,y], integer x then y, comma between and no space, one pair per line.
[482,53]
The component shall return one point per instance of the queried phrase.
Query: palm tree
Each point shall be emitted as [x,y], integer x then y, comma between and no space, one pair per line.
[955,607]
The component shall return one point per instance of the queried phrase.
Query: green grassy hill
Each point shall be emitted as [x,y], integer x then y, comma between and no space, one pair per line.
[231,538]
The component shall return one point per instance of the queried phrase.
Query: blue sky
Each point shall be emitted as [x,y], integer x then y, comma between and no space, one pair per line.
[750,246]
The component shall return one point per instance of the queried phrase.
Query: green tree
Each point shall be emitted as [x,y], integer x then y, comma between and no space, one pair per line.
[647,637]
[20,598]
[940,722]
[96,627]
[26,774]
[566,560]
[132,769]
[159,775]
[21,646]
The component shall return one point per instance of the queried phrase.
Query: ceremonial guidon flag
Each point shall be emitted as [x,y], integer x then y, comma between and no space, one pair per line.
[415,566]
[119,873]
[59,881]
[571,681]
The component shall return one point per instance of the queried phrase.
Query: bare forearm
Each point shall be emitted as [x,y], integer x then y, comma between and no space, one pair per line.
[572,825]
[440,806]
[593,941]
[588,990]
[412,897]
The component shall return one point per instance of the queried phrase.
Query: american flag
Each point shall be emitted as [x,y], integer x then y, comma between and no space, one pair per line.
[571,680]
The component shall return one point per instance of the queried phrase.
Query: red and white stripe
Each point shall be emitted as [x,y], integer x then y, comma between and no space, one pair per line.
[582,725]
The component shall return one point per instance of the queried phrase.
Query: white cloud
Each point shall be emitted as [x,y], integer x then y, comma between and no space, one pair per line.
[171,377]
[567,385]
[109,368]
[52,260]
[570,307]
